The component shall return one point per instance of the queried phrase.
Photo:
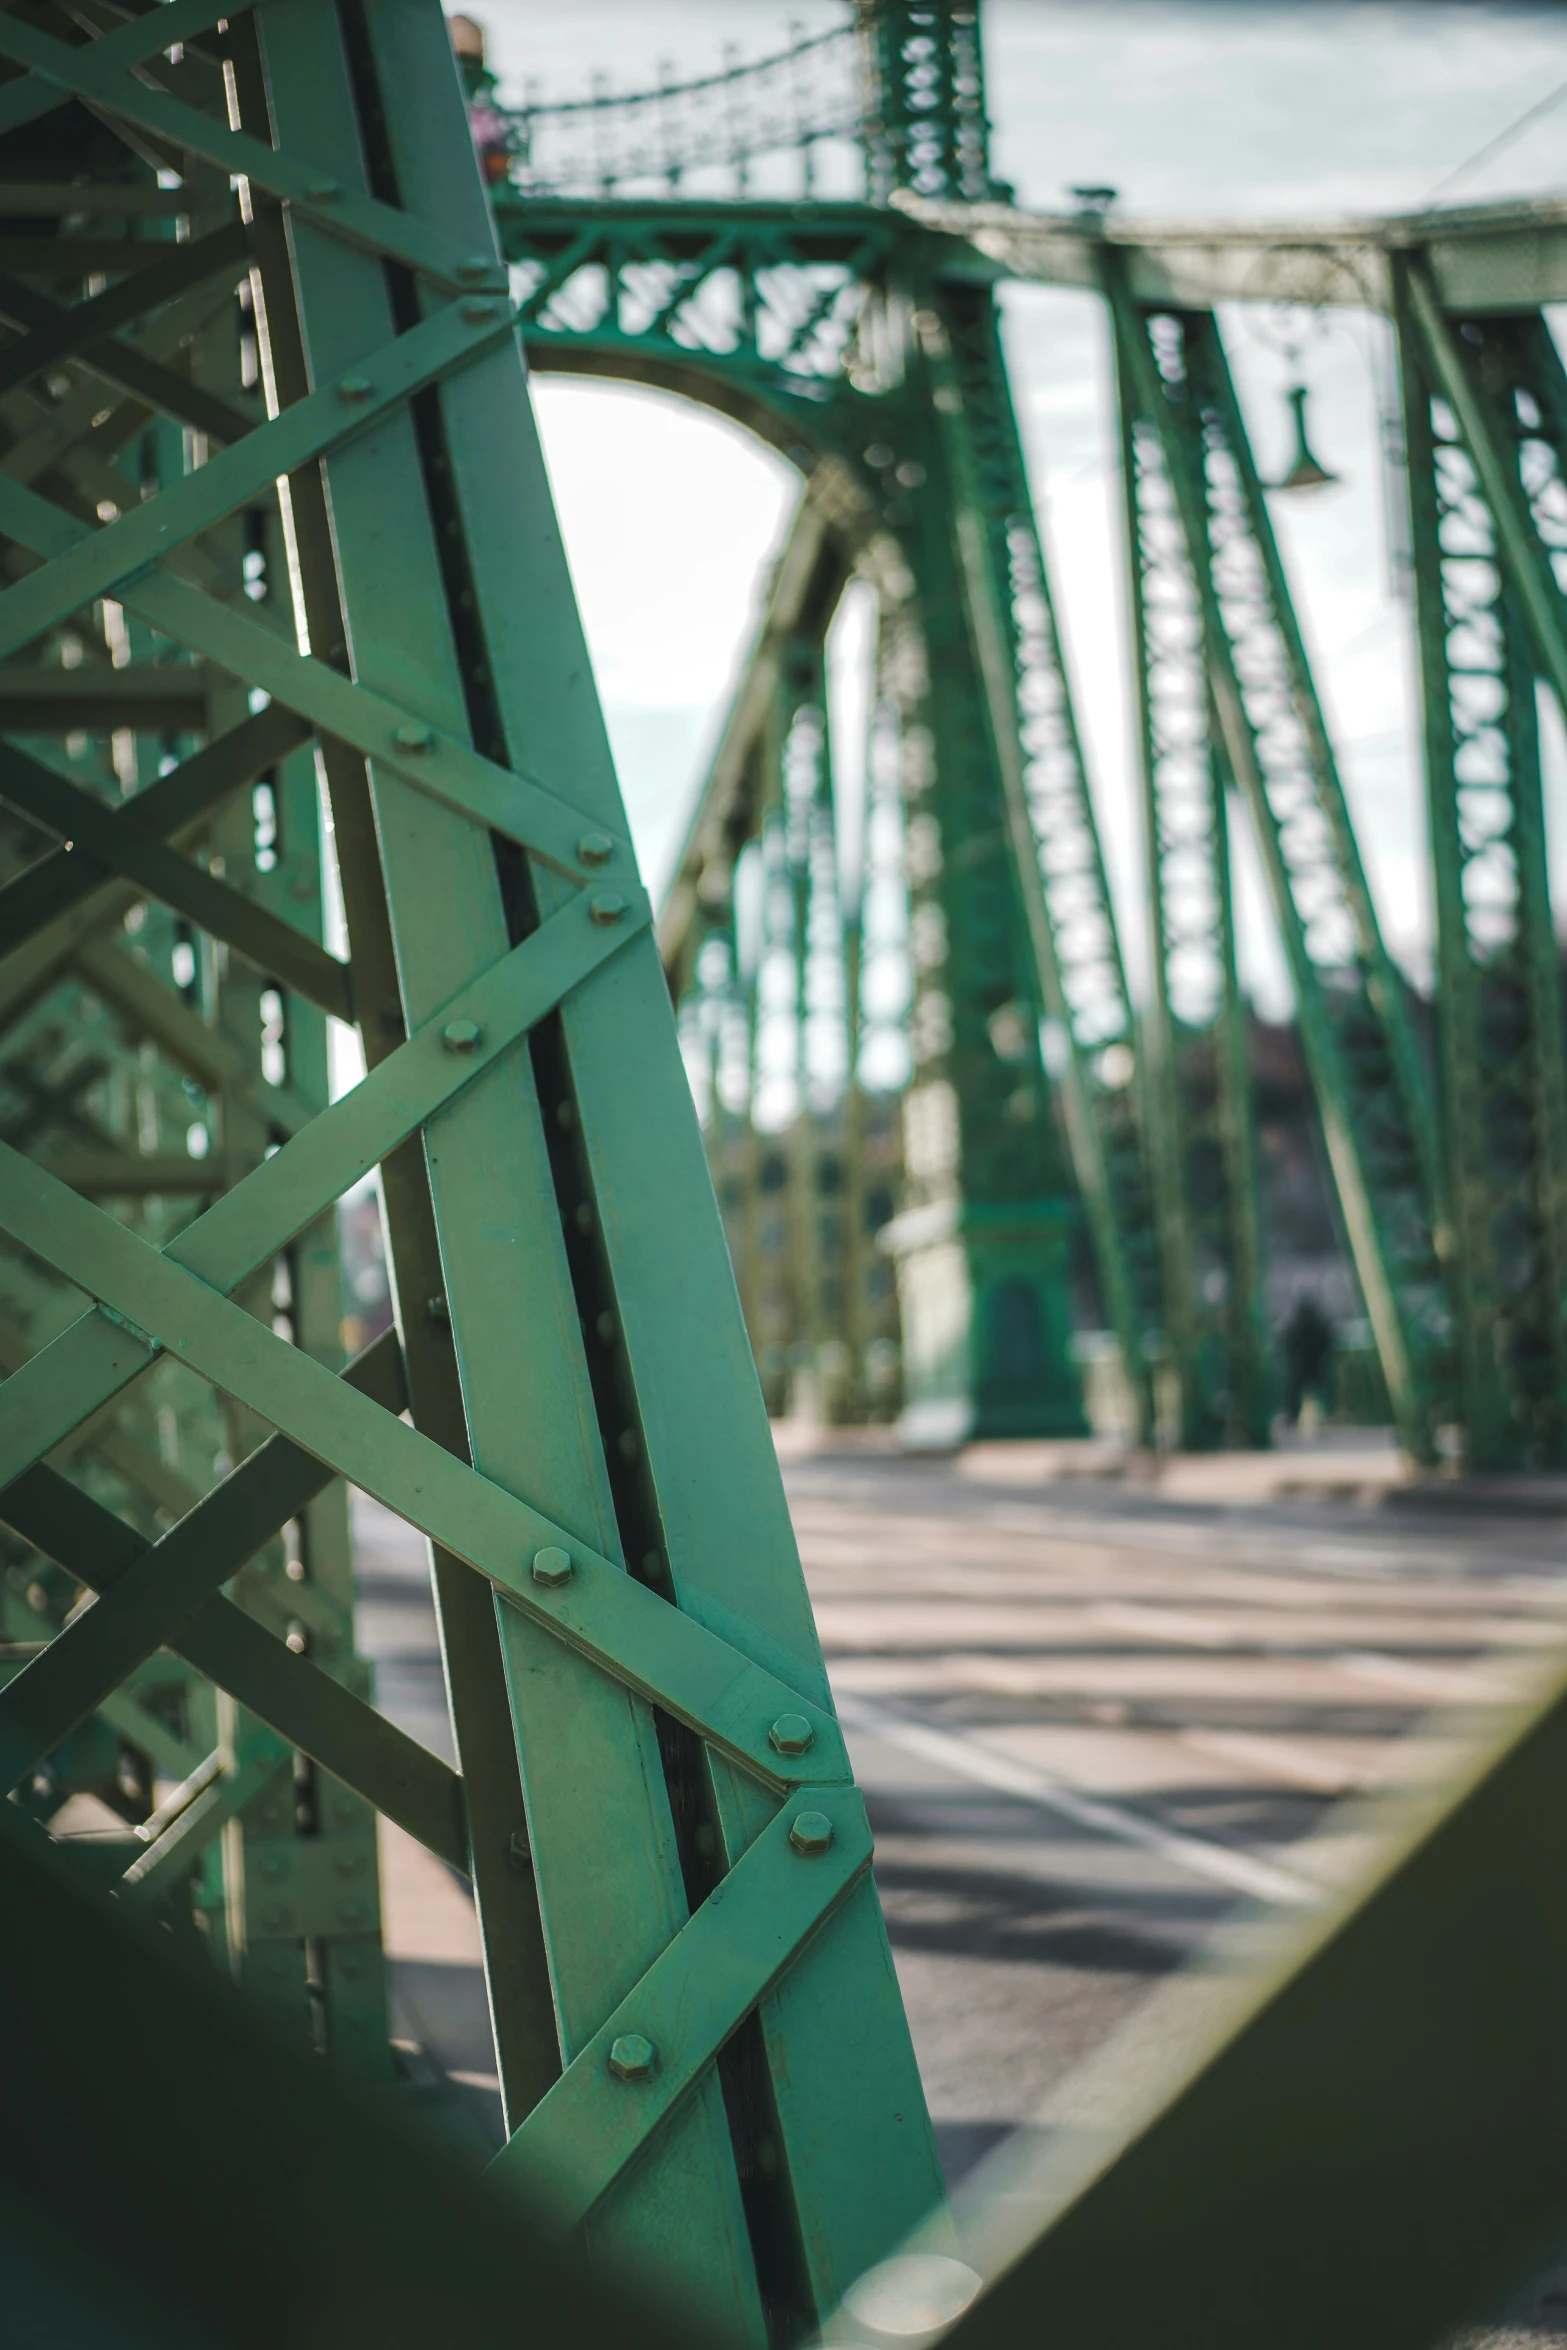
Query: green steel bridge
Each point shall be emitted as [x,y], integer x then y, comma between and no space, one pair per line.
[297,727]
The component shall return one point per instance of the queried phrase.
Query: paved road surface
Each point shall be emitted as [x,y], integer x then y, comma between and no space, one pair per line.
[1089,1720]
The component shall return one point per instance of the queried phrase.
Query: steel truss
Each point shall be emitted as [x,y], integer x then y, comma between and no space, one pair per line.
[1371,1087]
[1196,1070]
[678,1941]
[157,1004]
[1485,403]
[849,339]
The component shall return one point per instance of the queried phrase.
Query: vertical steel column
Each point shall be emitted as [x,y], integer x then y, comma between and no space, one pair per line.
[1504,1090]
[567,1189]
[1043,817]
[1371,1087]
[671,1864]
[1196,1073]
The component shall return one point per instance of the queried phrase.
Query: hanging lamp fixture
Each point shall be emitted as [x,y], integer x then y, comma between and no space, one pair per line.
[1305,473]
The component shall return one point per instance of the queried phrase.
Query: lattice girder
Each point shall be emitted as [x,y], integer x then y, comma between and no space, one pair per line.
[1372,1090]
[627,1814]
[1498,997]
[1196,1062]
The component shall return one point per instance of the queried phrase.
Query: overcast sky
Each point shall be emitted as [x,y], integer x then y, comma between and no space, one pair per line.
[1195,108]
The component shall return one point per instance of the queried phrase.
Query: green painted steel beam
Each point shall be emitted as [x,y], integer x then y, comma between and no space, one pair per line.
[635,1680]
[1372,1089]
[1483,413]
[1205,1159]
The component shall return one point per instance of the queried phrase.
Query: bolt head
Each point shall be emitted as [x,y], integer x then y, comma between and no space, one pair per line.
[791,1734]
[477,312]
[323,191]
[475,270]
[460,1036]
[606,909]
[595,848]
[353,388]
[411,736]
[552,1567]
[631,2058]
[810,1831]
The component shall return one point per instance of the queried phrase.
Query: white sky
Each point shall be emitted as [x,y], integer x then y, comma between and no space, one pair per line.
[1195,107]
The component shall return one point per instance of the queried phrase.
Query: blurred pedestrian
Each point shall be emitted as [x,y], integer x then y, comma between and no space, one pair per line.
[1308,1360]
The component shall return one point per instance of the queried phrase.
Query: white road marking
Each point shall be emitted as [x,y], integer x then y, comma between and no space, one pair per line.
[970,1758]
[1452,1684]
[1161,1623]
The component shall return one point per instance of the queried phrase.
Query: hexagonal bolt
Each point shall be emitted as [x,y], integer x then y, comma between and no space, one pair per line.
[552,1567]
[595,848]
[353,389]
[412,736]
[791,1734]
[631,2058]
[460,1036]
[606,909]
[810,1831]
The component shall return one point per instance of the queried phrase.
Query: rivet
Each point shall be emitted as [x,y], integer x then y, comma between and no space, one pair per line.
[350,1913]
[411,736]
[791,1734]
[323,191]
[438,1310]
[518,1849]
[460,1036]
[595,848]
[276,1917]
[810,1831]
[474,270]
[477,312]
[631,2058]
[552,1567]
[354,387]
[606,909]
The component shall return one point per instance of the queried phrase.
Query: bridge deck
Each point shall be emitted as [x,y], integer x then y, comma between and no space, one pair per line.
[1091,1719]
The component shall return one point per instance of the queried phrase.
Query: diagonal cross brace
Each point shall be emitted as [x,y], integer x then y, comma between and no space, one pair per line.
[148,1593]
[222,1800]
[752,1926]
[149,383]
[305,1706]
[146,36]
[60,880]
[626,1630]
[85,331]
[395,737]
[96,73]
[274,946]
[87,1365]
[1487,439]
[101,560]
